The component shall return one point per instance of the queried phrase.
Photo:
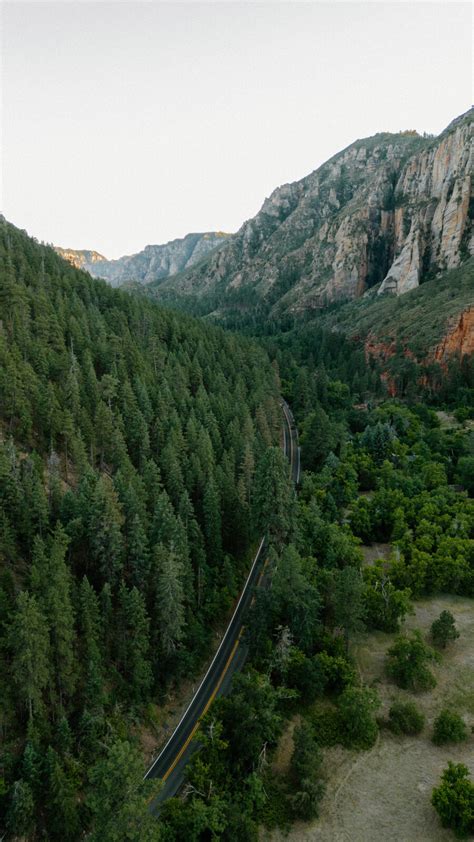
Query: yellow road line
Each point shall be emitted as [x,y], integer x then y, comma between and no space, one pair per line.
[208,704]
[214,693]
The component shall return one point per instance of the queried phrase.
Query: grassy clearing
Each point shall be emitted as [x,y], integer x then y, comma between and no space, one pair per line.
[385,793]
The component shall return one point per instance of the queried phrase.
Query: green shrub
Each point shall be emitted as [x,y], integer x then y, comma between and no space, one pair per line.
[407,662]
[357,707]
[338,672]
[405,718]
[443,629]
[306,760]
[454,800]
[448,728]
[385,605]
[307,675]
[276,810]
[326,725]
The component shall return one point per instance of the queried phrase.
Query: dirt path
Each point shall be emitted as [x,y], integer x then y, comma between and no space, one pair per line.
[372,552]
[384,795]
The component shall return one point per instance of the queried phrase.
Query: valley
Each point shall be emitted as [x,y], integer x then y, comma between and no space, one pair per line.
[148,487]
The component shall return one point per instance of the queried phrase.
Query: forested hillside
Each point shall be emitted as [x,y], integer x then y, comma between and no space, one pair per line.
[131,441]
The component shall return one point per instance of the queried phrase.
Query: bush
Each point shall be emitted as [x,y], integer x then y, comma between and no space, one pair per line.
[407,660]
[305,772]
[448,728]
[385,605]
[405,718]
[443,629]
[307,675]
[357,707]
[454,799]
[338,672]
[326,725]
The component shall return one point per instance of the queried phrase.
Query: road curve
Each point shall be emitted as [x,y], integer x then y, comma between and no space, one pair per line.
[230,657]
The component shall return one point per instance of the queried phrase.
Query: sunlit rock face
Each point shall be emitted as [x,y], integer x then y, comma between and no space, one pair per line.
[81,258]
[389,211]
[435,190]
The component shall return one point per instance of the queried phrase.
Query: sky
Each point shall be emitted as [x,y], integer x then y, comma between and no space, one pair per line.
[130,123]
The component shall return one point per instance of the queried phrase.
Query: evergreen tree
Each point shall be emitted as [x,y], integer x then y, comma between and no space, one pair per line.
[274,497]
[105,535]
[169,599]
[29,644]
[90,639]
[133,643]
[62,812]
[51,583]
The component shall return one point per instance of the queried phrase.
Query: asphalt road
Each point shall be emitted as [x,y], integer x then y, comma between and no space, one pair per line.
[229,658]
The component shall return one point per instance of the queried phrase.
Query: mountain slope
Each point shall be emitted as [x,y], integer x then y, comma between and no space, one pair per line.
[421,321]
[131,440]
[154,263]
[390,210]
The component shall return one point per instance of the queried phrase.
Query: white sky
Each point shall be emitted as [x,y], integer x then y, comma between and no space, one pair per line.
[130,123]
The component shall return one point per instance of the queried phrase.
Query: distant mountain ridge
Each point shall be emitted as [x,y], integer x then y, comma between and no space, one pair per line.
[392,210]
[81,258]
[153,264]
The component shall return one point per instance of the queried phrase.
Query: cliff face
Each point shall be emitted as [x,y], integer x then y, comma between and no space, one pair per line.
[390,210]
[434,193]
[81,258]
[155,263]
[459,339]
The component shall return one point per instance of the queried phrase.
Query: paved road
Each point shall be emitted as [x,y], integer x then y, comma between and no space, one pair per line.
[229,658]
[291,446]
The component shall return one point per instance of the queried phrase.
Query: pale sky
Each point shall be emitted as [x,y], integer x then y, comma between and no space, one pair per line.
[130,123]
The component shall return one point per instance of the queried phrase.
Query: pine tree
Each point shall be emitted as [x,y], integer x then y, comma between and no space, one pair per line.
[212,522]
[133,643]
[51,583]
[118,798]
[29,644]
[20,814]
[348,601]
[105,536]
[169,599]
[62,813]
[90,640]
[274,497]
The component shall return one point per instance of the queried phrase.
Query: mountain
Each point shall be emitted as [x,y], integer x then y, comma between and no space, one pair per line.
[153,264]
[132,445]
[81,258]
[392,210]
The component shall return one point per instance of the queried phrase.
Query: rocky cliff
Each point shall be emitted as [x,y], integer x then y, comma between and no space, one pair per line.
[154,263]
[81,258]
[392,210]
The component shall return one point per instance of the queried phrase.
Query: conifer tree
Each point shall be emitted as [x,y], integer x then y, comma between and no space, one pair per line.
[62,813]
[90,639]
[169,599]
[51,583]
[105,536]
[133,643]
[29,644]
[212,522]
[274,497]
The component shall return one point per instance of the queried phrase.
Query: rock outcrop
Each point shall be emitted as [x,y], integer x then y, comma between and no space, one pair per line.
[389,211]
[434,194]
[459,340]
[81,258]
[154,263]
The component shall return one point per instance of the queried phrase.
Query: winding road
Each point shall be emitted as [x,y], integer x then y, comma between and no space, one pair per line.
[229,658]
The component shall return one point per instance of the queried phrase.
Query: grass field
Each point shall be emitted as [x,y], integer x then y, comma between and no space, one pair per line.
[384,794]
